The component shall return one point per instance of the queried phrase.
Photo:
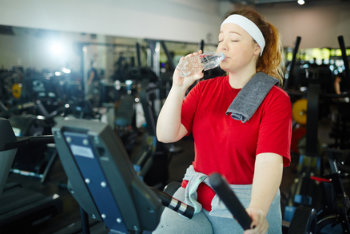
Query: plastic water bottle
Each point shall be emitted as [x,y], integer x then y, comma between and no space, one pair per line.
[205,61]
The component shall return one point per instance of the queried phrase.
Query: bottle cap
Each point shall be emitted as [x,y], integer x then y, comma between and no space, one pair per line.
[222,55]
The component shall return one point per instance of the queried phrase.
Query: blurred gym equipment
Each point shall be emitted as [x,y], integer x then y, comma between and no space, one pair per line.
[21,209]
[103,181]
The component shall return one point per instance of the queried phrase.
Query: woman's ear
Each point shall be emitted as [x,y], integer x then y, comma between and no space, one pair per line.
[257,49]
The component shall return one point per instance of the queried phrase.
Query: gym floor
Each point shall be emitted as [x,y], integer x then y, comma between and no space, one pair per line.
[68,221]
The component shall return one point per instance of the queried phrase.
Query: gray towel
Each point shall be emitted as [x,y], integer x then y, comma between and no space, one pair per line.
[251,96]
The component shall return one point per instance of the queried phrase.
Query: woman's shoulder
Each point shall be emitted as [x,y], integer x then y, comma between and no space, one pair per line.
[277,91]
[208,86]
[277,98]
[211,81]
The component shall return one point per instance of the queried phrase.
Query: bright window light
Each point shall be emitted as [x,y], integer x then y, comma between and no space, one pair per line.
[66,70]
[56,48]
[301,2]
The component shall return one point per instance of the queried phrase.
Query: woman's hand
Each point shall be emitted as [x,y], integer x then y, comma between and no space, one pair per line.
[186,82]
[259,223]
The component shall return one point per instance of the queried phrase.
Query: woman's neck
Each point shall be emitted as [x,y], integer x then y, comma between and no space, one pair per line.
[238,79]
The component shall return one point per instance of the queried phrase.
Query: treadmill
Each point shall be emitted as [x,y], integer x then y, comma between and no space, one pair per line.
[21,209]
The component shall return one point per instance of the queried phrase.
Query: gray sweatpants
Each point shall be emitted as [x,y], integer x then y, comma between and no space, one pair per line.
[203,223]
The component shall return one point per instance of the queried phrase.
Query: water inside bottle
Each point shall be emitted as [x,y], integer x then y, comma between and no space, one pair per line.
[211,60]
[190,66]
[195,64]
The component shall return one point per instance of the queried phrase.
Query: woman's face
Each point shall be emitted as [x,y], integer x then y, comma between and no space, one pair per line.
[238,46]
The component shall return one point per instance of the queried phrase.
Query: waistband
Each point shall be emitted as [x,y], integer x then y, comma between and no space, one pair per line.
[196,178]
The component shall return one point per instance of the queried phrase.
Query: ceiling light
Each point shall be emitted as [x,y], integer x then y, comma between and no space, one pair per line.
[301,2]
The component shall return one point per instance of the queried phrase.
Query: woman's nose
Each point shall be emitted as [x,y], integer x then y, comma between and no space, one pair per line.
[222,46]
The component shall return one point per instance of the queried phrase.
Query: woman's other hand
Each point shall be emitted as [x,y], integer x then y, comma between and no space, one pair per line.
[259,224]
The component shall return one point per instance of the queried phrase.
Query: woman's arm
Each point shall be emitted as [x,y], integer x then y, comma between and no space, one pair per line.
[169,127]
[266,181]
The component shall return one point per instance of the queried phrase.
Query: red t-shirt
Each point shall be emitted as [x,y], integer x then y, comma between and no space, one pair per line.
[228,146]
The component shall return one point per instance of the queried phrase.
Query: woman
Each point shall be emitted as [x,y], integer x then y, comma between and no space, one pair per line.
[250,155]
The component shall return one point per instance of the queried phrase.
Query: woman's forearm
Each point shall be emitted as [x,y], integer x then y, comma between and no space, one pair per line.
[169,127]
[169,120]
[266,181]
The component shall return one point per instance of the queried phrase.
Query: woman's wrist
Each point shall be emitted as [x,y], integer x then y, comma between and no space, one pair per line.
[258,207]
[180,90]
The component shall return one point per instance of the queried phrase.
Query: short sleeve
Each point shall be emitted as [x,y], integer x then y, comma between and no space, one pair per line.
[275,131]
[189,107]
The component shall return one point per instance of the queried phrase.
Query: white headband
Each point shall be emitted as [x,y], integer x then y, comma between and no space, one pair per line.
[249,26]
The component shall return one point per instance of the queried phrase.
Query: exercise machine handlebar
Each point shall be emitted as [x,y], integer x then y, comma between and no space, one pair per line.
[175,204]
[22,141]
[230,199]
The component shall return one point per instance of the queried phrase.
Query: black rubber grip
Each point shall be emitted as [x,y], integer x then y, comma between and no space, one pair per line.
[230,199]
[174,204]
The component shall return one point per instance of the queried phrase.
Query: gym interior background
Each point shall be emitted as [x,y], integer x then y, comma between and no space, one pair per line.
[112,61]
